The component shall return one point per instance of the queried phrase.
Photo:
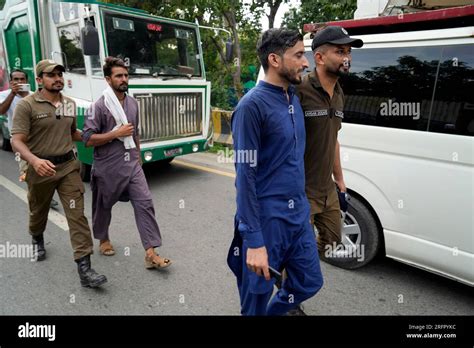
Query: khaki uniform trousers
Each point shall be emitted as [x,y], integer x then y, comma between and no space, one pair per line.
[325,214]
[68,183]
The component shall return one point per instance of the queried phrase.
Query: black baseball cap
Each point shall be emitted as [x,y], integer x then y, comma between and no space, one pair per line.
[335,35]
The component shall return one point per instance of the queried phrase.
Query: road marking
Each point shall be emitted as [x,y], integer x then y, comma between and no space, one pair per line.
[55,217]
[205,169]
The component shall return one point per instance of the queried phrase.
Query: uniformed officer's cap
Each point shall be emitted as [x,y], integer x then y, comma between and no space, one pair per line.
[47,66]
[335,35]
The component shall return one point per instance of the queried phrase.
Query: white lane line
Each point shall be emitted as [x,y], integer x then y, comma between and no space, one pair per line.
[55,217]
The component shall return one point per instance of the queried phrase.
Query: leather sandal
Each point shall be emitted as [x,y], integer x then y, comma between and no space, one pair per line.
[107,249]
[151,263]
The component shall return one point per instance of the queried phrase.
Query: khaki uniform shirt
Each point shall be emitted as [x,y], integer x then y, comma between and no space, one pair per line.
[323,116]
[48,127]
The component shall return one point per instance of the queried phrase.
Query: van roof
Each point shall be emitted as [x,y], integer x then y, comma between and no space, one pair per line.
[462,16]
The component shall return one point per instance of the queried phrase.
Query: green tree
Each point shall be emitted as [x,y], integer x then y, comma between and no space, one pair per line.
[316,11]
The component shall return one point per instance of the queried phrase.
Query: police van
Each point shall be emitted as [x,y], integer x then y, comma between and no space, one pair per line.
[407,146]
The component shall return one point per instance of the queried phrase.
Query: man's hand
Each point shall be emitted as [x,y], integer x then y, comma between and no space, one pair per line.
[77,135]
[124,130]
[15,87]
[341,184]
[44,167]
[257,261]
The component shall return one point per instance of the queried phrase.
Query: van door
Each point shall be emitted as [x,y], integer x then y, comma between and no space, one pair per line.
[19,48]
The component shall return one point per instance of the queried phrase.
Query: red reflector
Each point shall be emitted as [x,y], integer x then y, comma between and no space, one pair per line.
[153,26]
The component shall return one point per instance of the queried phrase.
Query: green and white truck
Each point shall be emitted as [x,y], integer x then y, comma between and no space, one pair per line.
[164,56]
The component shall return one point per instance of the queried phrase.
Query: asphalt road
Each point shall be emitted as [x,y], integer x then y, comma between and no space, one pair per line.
[195,201]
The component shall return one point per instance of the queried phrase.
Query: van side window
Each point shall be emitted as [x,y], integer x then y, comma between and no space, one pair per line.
[391,87]
[453,107]
[96,66]
[70,41]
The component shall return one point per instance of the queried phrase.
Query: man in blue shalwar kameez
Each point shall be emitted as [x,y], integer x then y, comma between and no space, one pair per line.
[272,223]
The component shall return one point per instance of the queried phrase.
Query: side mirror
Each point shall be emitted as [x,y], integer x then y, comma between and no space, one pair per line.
[90,40]
[229,51]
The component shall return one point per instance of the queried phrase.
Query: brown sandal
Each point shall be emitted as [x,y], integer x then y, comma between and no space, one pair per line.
[107,249]
[151,263]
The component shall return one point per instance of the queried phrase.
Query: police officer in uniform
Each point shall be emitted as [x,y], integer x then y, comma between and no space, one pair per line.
[44,128]
[322,100]
[8,101]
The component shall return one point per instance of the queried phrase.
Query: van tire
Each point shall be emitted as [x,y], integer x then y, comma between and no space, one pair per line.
[85,172]
[370,237]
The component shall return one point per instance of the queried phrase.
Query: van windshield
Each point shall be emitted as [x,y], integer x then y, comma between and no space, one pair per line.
[151,47]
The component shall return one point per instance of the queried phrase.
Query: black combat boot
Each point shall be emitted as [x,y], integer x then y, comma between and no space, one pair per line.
[38,248]
[89,277]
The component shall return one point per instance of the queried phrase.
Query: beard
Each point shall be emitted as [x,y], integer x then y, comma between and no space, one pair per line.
[55,88]
[292,77]
[341,71]
[122,88]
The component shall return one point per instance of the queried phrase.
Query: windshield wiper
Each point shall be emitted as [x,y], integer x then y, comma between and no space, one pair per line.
[177,77]
[170,77]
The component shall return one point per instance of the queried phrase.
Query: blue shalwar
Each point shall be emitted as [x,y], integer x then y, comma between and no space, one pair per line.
[272,208]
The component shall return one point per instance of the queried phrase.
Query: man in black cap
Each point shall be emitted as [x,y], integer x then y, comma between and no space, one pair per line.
[322,101]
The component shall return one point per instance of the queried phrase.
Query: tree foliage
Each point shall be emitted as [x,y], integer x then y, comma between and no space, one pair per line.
[316,11]
[271,5]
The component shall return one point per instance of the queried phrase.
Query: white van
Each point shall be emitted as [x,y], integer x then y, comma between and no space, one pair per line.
[407,146]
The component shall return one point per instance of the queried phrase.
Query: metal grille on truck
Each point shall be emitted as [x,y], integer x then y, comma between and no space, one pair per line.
[169,115]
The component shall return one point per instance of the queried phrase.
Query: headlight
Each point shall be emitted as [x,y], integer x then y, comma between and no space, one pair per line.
[195,147]
[148,156]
